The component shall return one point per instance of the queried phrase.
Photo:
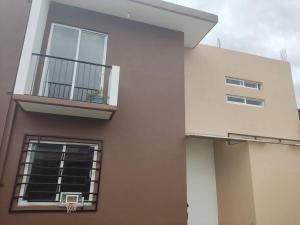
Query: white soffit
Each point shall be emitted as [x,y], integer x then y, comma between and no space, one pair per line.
[67,111]
[195,24]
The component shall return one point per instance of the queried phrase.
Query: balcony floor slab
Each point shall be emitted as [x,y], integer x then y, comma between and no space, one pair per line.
[64,107]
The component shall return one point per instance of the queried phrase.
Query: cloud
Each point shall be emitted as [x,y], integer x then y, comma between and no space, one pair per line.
[262,27]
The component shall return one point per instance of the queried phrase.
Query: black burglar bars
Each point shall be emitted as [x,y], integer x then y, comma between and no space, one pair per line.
[62,78]
[46,170]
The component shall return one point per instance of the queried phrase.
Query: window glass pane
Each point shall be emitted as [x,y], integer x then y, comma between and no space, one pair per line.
[60,72]
[77,169]
[44,172]
[251,84]
[236,99]
[91,49]
[254,102]
[233,81]
[64,42]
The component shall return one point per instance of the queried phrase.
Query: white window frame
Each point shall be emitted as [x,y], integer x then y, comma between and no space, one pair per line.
[80,30]
[245,101]
[258,88]
[22,202]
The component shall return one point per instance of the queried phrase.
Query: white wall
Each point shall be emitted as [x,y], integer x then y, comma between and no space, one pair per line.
[201,182]
[32,44]
[113,86]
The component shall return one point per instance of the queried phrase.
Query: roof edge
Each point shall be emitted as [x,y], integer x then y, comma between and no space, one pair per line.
[179,9]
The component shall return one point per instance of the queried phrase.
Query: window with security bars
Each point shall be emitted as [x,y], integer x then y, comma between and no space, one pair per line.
[50,167]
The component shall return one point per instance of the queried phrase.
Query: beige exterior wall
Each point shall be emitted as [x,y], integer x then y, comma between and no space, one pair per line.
[257,184]
[276,183]
[207,112]
[234,184]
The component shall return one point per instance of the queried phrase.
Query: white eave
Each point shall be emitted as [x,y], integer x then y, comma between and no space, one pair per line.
[195,24]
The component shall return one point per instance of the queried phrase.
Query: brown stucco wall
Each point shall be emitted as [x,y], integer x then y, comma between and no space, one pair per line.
[208,113]
[143,178]
[13,21]
[234,184]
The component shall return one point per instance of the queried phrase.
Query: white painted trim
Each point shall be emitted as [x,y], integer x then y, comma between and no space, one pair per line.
[61,169]
[113,86]
[64,143]
[44,76]
[103,63]
[75,64]
[32,43]
[24,178]
[93,175]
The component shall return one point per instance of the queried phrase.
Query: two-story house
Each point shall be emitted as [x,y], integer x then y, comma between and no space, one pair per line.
[112,110]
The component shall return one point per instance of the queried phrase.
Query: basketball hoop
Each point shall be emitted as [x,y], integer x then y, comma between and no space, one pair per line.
[71,201]
[71,207]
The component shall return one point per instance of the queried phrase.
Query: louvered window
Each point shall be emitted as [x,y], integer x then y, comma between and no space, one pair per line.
[50,167]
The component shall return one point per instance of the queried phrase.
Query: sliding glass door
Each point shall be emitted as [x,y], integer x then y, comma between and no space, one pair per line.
[73,68]
[90,76]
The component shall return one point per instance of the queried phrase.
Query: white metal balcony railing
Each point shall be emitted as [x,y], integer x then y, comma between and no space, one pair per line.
[62,78]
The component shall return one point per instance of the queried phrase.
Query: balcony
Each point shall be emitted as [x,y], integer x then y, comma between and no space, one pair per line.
[61,78]
[63,86]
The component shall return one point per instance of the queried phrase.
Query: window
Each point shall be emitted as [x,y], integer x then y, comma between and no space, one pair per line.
[243,83]
[51,167]
[254,85]
[245,101]
[236,99]
[67,77]
[234,81]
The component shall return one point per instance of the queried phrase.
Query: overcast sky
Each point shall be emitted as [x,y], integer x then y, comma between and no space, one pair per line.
[261,27]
